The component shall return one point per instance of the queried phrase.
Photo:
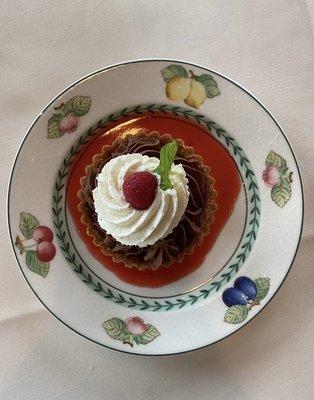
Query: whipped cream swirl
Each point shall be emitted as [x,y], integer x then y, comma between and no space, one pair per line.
[133,227]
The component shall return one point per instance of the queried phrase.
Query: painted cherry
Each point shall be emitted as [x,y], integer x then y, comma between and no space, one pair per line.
[271,176]
[135,325]
[46,251]
[69,123]
[42,234]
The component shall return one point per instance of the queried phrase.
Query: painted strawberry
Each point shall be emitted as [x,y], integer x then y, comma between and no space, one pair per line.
[135,325]
[69,123]
[271,176]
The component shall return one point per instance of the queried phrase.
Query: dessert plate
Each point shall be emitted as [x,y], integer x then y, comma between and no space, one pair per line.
[228,279]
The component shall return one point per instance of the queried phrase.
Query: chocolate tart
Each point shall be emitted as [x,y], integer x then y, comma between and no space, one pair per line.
[193,226]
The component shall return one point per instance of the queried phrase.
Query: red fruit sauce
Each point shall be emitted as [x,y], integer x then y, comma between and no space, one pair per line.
[223,169]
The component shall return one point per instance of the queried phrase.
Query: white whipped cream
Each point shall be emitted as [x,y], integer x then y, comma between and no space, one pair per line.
[138,227]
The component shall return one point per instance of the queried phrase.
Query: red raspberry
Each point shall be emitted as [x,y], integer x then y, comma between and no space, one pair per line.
[140,189]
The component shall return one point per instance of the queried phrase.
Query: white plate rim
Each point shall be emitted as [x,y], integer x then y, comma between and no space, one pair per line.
[124,63]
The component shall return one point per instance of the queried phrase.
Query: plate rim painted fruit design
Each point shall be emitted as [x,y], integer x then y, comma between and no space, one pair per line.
[176,301]
[141,332]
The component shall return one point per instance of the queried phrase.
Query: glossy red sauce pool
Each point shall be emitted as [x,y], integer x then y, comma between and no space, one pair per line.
[223,169]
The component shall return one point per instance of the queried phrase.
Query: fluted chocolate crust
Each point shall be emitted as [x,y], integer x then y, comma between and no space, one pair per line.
[194,225]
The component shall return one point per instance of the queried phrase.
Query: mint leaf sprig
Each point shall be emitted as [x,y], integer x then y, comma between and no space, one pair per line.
[167,155]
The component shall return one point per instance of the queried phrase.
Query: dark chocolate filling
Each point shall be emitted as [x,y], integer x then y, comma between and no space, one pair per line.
[170,248]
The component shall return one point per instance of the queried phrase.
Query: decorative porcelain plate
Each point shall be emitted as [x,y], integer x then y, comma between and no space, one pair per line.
[155,207]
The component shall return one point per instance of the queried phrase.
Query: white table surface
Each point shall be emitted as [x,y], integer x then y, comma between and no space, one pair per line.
[267,46]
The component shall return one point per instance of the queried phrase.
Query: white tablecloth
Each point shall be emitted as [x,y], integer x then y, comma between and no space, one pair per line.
[267,46]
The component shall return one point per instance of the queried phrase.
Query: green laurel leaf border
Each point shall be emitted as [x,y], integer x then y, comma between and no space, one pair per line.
[170,303]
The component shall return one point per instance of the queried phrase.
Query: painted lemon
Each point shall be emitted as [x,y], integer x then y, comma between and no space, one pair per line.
[197,95]
[178,88]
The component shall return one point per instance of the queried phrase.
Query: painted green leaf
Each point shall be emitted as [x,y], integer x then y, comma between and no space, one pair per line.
[210,85]
[149,335]
[117,330]
[172,71]
[53,126]
[236,314]
[78,105]
[262,285]
[28,223]
[288,176]
[281,193]
[35,265]
[167,155]
[277,161]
